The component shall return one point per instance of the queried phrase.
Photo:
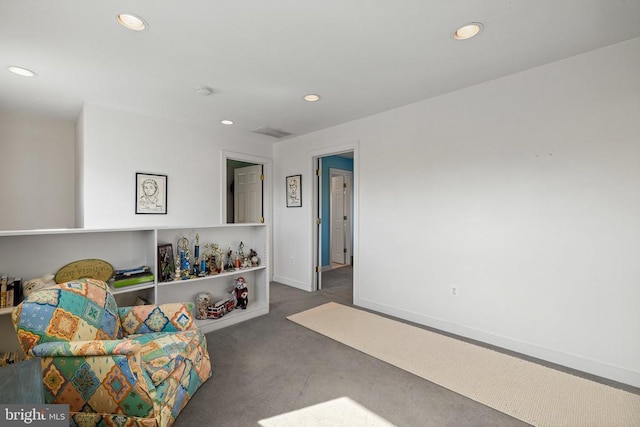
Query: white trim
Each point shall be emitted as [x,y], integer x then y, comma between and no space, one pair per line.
[572,361]
[291,282]
[327,151]
[267,164]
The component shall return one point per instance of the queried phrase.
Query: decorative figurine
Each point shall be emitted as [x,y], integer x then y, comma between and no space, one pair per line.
[196,256]
[253,256]
[219,258]
[230,265]
[242,293]
[183,245]
[203,300]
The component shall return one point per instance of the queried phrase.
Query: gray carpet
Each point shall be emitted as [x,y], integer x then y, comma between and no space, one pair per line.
[269,366]
[527,391]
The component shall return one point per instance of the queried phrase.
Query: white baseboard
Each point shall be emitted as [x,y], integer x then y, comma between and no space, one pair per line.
[293,283]
[573,361]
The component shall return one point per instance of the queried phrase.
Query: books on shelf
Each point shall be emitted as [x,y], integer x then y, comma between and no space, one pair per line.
[10,291]
[132,276]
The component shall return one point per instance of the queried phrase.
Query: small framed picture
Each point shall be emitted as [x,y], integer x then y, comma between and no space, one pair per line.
[151,193]
[166,264]
[294,191]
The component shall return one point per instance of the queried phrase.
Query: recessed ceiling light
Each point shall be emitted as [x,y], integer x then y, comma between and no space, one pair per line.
[21,71]
[204,90]
[468,31]
[312,97]
[226,122]
[132,22]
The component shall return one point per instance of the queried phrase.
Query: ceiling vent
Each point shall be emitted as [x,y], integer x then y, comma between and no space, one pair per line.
[269,131]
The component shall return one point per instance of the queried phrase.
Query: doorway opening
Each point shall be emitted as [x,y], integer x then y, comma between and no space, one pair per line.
[245,182]
[245,196]
[334,237]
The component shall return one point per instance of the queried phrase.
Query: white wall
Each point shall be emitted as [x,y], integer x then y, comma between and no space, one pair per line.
[117,144]
[523,192]
[37,172]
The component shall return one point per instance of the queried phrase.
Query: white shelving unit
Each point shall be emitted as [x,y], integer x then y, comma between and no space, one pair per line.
[34,253]
[253,236]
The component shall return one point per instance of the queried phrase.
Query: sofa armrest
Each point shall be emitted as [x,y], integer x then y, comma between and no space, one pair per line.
[143,319]
[107,374]
[85,348]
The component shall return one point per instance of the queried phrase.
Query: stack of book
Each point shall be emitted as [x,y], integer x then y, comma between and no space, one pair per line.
[132,276]
[10,291]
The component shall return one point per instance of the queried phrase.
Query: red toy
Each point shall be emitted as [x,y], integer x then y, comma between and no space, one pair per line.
[242,293]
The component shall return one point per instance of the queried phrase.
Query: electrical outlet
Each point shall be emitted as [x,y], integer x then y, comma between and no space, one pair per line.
[454,291]
[291,260]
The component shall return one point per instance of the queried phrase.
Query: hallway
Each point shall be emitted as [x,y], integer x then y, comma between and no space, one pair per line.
[338,282]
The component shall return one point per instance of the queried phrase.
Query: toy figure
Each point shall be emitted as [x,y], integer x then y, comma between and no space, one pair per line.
[242,293]
[230,265]
[253,256]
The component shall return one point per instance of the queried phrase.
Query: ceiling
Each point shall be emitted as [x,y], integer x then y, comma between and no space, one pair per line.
[261,57]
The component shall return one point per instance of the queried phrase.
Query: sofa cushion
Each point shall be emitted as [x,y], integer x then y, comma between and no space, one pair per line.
[162,352]
[81,310]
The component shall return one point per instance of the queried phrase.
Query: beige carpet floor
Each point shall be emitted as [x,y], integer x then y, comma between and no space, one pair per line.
[527,391]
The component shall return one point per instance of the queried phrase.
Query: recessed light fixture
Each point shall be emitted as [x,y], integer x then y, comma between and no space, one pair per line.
[468,31]
[21,71]
[226,122]
[204,90]
[312,97]
[132,22]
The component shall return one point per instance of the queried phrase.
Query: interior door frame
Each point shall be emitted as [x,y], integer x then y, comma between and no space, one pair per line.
[267,170]
[316,241]
[266,184]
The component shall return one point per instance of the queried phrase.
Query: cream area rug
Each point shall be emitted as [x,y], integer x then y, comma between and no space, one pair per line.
[530,392]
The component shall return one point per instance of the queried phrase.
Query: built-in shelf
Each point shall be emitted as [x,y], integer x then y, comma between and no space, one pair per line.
[132,288]
[34,253]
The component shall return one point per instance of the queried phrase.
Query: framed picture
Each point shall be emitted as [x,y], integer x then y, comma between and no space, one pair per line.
[294,191]
[151,193]
[166,264]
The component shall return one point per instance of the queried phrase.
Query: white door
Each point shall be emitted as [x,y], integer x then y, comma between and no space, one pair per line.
[341,216]
[338,248]
[247,194]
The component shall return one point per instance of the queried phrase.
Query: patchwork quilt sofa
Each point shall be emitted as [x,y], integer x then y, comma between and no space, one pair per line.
[127,366]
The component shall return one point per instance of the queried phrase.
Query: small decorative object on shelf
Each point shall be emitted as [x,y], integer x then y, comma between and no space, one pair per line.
[220,308]
[230,266]
[85,268]
[203,301]
[242,293]
[253,256]
[166,263]
[37,283]
[184,255]
[196,256]
[219,258]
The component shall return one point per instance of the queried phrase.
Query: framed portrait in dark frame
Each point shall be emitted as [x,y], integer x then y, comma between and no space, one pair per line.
[151,193]
[294,191]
